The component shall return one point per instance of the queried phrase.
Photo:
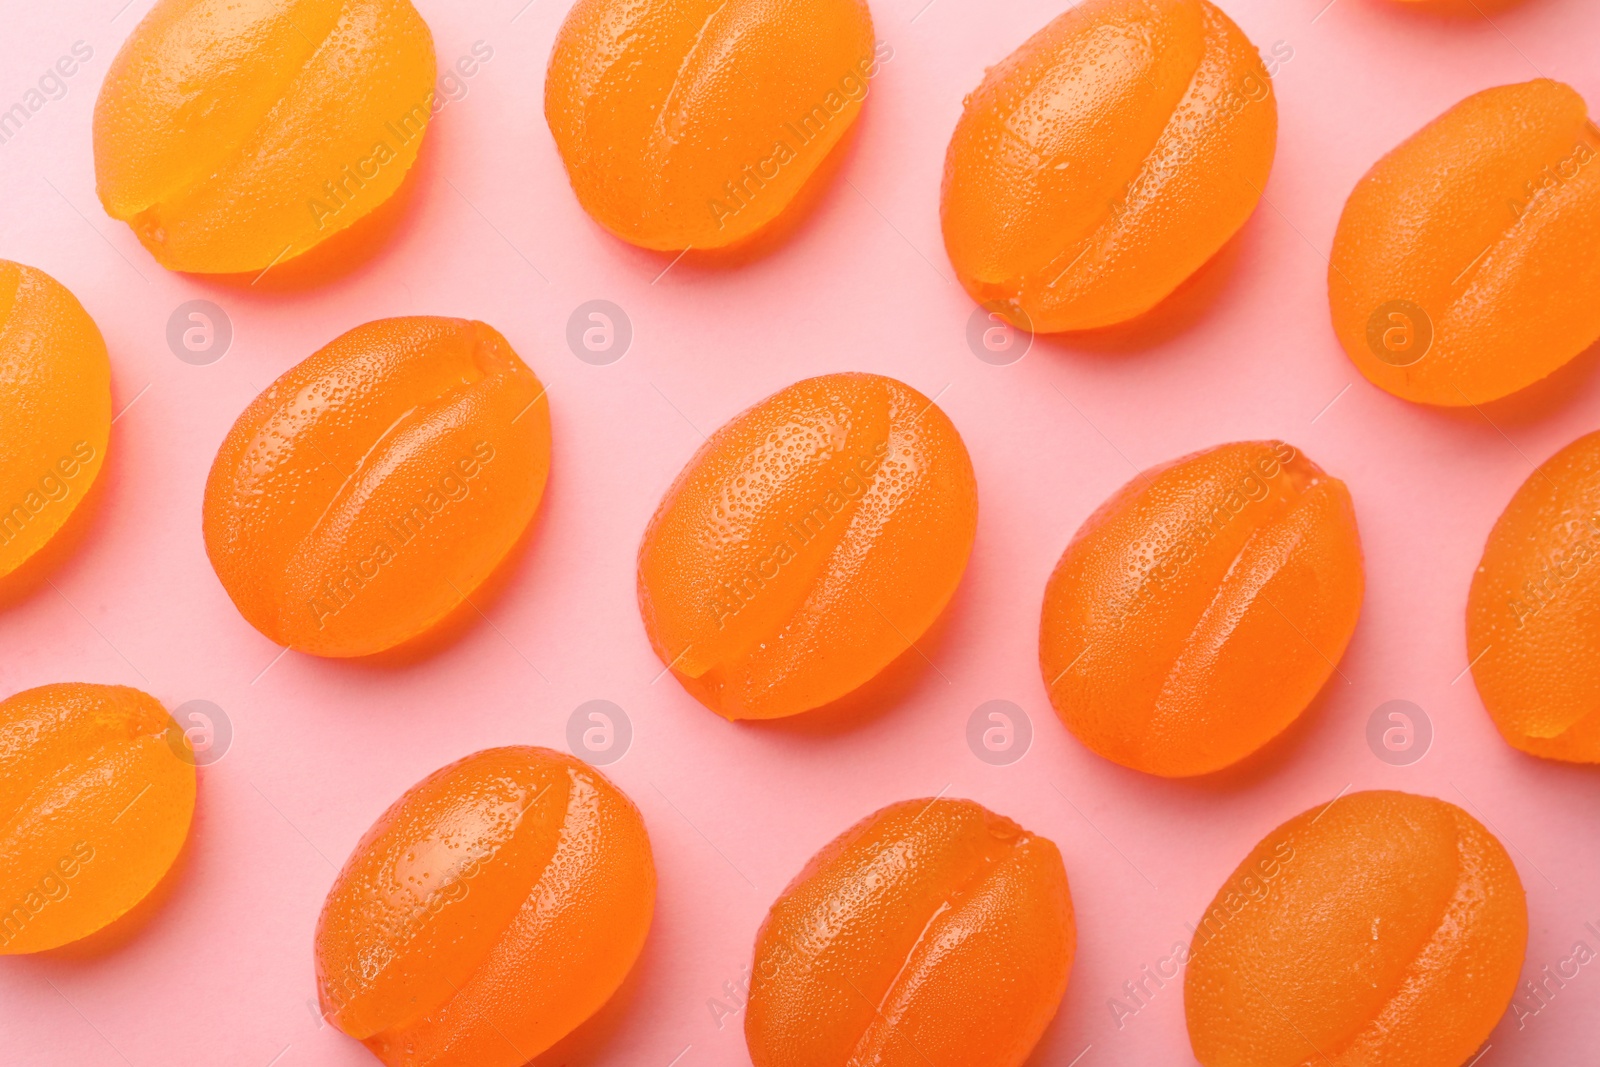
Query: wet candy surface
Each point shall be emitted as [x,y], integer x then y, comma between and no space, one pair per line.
[931,932]
[55,409]
[232,136]
[375,485]
[1533,615]
[807,544]
[491,909]
[694,123]
[1101,163]
[1197,612]
[97,787]
[1466,262]
[1384,928]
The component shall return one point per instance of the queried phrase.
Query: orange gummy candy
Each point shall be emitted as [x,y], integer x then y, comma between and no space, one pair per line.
[807,544]
[96,793]
[55,409]
[933,933]
[1197,612]
[694,123]
[494,907]
[1383,928]
[1533,615]
[233,136]
[1467,260]
[372,487]
[1100,164]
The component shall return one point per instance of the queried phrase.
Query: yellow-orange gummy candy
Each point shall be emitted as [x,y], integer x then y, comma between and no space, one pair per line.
[1533,615]
[933,933]
[1199,610]
[494,907]
[1467,261]
[807,544]
[1100,164]
[1383,928]
[55,409]
[96,792]
[694,123]
[235,135]
[374,486]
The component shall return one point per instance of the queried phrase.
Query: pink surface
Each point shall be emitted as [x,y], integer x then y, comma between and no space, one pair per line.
[221,974]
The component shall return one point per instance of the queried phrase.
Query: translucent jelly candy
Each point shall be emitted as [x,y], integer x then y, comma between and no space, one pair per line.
[1467,260]
[694,123]
[932,932]
[96,793]
[1384,928]
[1533,615]
[488,912]
[370,490]
[233,136]
[807,544]
[1100,164]
[55,409]
[1197,612]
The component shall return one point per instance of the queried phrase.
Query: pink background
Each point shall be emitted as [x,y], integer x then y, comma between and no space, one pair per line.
[221,972]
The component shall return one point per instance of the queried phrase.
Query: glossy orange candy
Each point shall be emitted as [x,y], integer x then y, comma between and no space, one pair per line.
[1533,615]
[1197,612]
[1100,164]
[96,792]
[807,544]
[494,907]
[372,487]
[55,409]
[233,136]
[694,123]
[933,932]
[1466,262]
[1384,928]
